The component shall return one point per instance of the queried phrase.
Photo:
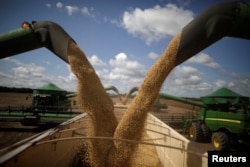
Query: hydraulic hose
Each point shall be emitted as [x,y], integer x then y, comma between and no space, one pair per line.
[224,19]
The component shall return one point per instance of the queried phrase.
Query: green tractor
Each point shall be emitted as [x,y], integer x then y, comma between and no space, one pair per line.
[224,120]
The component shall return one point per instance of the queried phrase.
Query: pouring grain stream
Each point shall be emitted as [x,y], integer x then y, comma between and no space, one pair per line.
[93,99]
[132,123]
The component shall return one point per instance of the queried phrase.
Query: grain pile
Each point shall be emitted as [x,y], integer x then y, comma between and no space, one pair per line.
[93,99]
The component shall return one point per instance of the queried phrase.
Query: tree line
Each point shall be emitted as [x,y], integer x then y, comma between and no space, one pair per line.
[15,90]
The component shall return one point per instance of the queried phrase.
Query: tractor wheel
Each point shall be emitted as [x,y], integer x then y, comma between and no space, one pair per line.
[220,141]
[195,132]
[206,133]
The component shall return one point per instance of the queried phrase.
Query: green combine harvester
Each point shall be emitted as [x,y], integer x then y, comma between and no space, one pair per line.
[49,107]
[224,119]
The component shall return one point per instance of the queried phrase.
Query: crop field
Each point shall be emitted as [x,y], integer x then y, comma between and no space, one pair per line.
[15,99]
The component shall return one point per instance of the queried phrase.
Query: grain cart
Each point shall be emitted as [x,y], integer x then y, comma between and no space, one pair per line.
[230,19]
[224,119]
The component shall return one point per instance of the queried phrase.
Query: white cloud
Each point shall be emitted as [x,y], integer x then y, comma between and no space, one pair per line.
[245,81]
[33,76]
[4,75]
[184,71]
[71,9]
[122,63]
[95,61]
[125,72]
[231,84]
[25,75]
[187,90]
[185,81]
[67,79]
[204,59]
[48,5]
[59,5]
[88,11]
[47,62]
[29,70]
[153,55]
[15,61]
[155,23]
[85,11]
[190,80]
[220,83]
[113,21]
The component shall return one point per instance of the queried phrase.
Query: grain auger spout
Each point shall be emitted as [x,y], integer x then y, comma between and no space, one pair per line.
[134,89]
[115,90]
[224,19]
[33,36]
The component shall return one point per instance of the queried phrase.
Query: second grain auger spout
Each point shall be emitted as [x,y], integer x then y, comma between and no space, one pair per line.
[224,19]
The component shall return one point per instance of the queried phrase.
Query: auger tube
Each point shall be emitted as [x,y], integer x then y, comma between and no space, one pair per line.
[38,34]
[18,41]
[115,90]
[223,19]
[183,100]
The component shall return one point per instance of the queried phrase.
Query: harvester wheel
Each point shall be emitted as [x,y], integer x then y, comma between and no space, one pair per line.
[195,132]
[220,141]
[206,133]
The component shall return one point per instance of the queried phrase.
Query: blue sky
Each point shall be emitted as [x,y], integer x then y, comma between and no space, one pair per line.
[123,39]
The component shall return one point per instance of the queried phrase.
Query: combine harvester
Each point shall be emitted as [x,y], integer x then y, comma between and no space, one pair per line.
[48,107]
[224,119]
[59,146]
